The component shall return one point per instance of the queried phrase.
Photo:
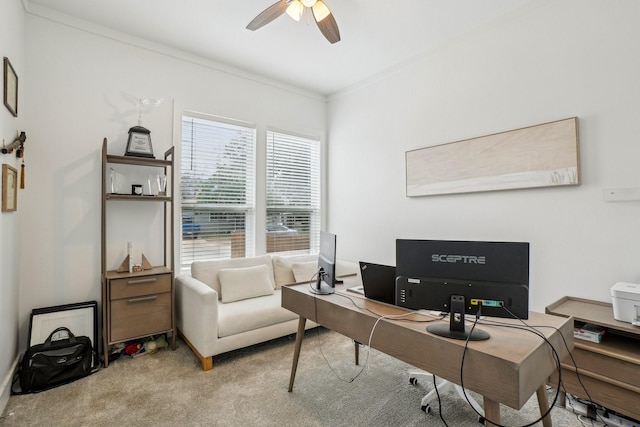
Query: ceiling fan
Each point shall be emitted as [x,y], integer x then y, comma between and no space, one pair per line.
[295,8]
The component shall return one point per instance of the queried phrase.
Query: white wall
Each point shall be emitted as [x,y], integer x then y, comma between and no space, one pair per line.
[78,82]
[12,47]
[557,60]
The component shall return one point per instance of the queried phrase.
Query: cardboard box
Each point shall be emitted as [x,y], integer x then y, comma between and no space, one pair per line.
[589,332]
[625,298]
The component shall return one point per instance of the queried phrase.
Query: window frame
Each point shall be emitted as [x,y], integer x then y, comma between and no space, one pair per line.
[249,207]
[316,224]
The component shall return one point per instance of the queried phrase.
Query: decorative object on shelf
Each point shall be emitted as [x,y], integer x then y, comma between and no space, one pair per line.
[124,265]
[115,179]
[130,256]
[136,190]
[9,189]
[128,265]
[162,184]
[10,88]
[139,143]
[149,187]
[127,262]
[146,265]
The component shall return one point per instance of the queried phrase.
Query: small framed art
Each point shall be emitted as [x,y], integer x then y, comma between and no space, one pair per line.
[9,188]
[10,88]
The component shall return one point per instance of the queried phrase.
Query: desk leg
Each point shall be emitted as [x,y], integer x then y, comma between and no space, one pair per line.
[296,352]
[543,403]
[491,412]
[356,351]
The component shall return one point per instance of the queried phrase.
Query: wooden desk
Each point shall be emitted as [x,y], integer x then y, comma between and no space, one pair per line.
[508,368]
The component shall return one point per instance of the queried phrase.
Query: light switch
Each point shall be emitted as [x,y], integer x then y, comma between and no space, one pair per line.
[621,194]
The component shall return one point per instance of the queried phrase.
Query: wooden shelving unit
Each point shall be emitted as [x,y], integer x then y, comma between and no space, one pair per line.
[142,303]
[609,370]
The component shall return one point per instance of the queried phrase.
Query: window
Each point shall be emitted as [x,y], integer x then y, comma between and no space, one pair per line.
[293,193]
[217,189]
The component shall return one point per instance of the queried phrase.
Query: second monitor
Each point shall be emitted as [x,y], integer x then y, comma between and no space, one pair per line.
[326,280]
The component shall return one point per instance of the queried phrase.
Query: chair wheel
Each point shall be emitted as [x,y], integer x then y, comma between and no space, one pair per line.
[481,420]
[426,409]
[413,381]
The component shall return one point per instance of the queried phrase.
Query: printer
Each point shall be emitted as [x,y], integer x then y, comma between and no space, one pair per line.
[626,302]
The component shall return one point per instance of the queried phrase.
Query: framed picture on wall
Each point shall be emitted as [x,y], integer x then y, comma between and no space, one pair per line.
[9,189]
[10,88]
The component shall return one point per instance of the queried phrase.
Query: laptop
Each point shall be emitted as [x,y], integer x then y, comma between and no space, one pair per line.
[378,282]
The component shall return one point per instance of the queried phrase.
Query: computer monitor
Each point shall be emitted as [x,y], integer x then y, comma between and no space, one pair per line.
[463,277]
[326,281]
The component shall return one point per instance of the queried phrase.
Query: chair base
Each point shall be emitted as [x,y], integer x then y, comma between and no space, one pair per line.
[443,387]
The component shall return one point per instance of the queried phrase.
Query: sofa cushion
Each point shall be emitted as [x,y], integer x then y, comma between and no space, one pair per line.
[246,282]
[305,271]
[346,268]
[282,268]
[207,271]
[249,314]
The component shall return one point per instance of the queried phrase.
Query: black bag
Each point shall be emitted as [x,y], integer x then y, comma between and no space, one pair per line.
[53,363]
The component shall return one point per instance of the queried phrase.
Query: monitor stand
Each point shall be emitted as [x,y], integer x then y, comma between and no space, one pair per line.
[456,328]
[321,287]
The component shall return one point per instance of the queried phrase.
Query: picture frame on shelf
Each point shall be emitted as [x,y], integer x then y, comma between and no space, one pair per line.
[10,88]
[9,188]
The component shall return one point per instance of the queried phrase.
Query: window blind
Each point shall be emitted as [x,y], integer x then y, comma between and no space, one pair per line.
[217,189]
[293,193]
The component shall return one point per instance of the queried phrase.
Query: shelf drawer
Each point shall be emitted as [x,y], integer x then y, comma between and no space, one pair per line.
[605,365]
[139,286]
[140,316]
[611,396]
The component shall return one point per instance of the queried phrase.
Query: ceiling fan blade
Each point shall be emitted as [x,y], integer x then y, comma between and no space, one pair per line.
[268,15]
[329,28]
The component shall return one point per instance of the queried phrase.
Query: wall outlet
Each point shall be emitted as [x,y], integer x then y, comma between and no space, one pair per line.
[621,194]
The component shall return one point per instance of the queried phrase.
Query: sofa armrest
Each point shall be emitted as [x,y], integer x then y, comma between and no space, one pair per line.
[197,313]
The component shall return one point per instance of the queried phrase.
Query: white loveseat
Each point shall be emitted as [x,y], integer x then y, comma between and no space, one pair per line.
[228,304]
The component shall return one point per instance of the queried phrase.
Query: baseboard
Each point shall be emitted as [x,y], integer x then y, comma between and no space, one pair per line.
[5,389]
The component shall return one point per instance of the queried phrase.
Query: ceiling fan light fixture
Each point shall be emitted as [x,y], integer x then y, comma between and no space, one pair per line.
[320,10]
[295,10]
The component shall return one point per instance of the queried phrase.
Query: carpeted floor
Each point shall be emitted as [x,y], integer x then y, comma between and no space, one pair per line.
[249,388]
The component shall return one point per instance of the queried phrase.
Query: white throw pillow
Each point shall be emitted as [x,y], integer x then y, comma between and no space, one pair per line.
[305,271]
[346,268]
[283,268]
[243,283]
